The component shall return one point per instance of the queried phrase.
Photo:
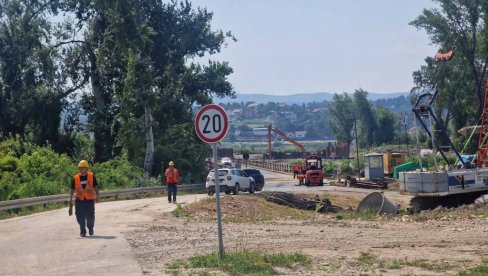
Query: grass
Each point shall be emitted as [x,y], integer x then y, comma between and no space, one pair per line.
[244,262]
[424,264]
[366,215]
[479,270]
[178,211]
[366,258]
[370,261]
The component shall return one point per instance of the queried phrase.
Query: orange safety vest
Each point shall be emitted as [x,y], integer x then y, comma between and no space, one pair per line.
[300,176]
[89,192]
[172,177]
[295,167]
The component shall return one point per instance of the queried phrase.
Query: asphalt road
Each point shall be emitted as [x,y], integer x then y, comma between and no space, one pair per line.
[49,243]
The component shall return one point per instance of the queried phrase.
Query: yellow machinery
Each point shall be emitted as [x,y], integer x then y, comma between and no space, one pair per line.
[390,160]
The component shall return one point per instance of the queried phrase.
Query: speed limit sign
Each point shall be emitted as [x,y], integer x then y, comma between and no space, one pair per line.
[211,123]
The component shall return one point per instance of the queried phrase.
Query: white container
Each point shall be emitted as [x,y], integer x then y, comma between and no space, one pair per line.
[424,182]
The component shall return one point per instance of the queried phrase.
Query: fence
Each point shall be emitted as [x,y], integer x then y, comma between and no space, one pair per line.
[26,202]
[270,165]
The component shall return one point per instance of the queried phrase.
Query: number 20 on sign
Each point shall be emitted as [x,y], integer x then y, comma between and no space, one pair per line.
[211,123]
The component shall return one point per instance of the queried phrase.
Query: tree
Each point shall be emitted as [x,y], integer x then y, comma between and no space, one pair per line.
[33,87]
[366,116]
[386,125]
[459,25]
[342,118]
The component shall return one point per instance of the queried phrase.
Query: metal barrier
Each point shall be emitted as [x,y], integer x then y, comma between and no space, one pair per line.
[270,165]
[26,202]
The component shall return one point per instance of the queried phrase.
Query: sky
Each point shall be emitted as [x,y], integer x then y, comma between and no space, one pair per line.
[295,46]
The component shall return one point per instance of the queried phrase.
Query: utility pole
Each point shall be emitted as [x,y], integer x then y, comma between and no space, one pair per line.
[357,146]
[406,136]
[406,133]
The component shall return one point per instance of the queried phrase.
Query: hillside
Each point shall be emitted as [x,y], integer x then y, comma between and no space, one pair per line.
[298,98]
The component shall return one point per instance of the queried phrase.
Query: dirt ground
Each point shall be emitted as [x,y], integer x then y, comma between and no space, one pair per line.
[441,244]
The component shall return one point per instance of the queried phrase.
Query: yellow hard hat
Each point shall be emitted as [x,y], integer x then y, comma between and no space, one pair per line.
[171,163]
[83,164]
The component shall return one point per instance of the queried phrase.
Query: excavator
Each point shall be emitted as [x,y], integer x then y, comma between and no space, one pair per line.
[459,183]
[314,174]
[278,132]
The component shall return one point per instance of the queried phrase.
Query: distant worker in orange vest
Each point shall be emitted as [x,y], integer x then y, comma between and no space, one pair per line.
[85,186]
[300,177]
[172,181]
[295,170]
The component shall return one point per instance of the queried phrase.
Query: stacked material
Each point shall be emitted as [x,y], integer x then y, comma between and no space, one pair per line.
[290,200]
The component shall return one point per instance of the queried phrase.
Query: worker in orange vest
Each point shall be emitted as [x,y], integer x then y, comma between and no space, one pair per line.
[172,180]
[300,177]
[295,170]
[85,186]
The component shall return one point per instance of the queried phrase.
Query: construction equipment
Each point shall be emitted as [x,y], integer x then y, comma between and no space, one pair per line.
[455,184]
[391,160]
[278,132]
[314,175]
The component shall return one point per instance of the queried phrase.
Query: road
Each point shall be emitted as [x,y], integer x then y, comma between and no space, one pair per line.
[49,244]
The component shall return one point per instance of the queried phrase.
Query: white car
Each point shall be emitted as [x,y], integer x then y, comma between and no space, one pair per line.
[231,181]
[226,162]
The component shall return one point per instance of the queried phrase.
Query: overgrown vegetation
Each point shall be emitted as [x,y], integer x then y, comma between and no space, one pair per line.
[28,170]
[245,262]
[112,82]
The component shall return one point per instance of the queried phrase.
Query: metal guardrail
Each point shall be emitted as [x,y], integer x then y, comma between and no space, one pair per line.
[26,202]
[270,165]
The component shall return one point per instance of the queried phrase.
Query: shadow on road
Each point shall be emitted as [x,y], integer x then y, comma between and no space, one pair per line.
[101,237]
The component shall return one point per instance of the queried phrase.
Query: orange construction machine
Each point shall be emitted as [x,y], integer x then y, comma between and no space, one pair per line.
[277,131]
[314,175]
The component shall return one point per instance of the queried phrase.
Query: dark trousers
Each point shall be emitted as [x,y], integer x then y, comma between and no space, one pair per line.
[171,189]
[85,214]
[295,173]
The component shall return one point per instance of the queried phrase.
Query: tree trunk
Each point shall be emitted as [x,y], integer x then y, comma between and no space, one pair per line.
[101,127]
[148,160]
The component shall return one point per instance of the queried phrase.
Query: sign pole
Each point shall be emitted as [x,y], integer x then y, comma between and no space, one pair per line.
[217,200]
[211,125]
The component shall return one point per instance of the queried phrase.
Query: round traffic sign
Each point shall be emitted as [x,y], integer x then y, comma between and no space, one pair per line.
[211,123]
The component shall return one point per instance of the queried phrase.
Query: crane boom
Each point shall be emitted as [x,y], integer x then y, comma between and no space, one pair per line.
[277,131]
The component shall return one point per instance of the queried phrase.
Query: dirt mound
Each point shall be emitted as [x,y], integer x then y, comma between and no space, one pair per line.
[244,208]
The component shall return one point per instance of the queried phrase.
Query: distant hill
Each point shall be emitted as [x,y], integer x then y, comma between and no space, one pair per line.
[298,98]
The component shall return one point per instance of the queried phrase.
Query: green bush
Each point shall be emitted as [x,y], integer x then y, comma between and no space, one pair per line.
[31,171]
[118,174]
[8,163]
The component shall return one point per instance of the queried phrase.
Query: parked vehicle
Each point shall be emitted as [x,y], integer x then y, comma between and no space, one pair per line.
[257,176]
[230,181]
[226,162]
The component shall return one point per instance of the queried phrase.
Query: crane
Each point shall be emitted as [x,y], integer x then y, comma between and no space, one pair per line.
[277,131]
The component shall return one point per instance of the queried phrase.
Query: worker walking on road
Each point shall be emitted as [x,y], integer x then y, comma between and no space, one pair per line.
[300,177]
[303,168]
[295,170]
[172,181]
[85,186]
